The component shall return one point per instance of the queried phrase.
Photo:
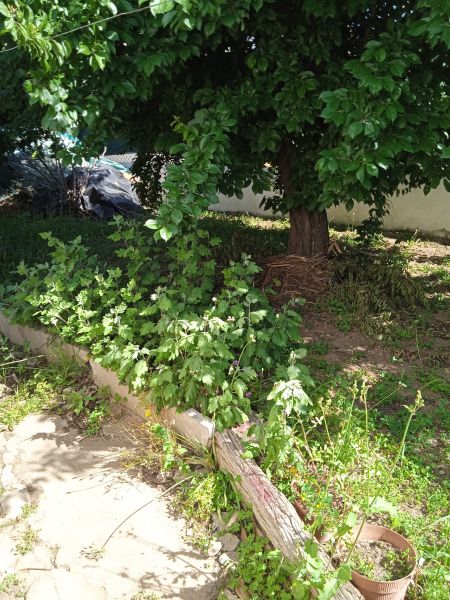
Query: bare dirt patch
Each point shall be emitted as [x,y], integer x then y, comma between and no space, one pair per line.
[381,561]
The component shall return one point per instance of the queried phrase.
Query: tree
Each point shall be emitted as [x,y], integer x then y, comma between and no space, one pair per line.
[20,123]
[326,102]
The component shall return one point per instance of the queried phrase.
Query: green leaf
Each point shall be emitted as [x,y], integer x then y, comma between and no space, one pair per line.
[128,86]
[379,504]
[380,54]
[159,7]
[207,375]
[372,170]
[4,10]
[329,589]
[151,224]
[141,368]
[83,49]
[100,60]
[177,216]
[391,113]
[165,233]
[344,573]
[112,7]
[213,404]
[168,17]
[360,174]
[355,129]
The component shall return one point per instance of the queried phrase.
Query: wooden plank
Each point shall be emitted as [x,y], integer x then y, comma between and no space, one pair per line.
[274,513]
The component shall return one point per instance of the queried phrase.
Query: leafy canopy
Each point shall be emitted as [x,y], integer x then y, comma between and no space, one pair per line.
[346,100]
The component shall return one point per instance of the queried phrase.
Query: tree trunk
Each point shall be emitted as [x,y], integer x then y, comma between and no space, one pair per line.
[308,233]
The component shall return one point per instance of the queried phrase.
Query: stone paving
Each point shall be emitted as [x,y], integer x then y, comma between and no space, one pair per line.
[80,495]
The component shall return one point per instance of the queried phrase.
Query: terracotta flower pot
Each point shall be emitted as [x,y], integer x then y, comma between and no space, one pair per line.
[384,590]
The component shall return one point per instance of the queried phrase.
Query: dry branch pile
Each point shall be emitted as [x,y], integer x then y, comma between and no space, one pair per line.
[294,276]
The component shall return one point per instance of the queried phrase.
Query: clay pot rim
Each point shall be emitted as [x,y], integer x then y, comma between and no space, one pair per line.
[398,535]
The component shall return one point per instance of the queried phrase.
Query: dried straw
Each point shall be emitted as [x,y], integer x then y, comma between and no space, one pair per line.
[295,276]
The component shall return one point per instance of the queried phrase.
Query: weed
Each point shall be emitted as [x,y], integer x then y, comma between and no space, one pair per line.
[390,563]
[372,288]
[434,382]
[28,509]
[320,347]
[32,396]
[344,318]
[208,493]
[28,539]
[145,596]
[11,584]
[358,355]
[93,409]
[93,553]
[261,571]
[37,385]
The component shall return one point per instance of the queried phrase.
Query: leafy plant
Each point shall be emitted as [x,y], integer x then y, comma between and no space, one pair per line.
[27,540]
[261,571]
[11,584]
[155,323]
[93,409]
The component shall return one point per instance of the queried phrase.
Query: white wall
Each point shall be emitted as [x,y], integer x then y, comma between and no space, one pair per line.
[414,210]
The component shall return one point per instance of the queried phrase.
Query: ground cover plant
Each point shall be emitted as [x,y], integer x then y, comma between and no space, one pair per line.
[325,444]
[28,384]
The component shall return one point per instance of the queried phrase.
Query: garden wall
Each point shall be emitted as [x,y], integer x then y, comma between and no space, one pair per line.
[413,211]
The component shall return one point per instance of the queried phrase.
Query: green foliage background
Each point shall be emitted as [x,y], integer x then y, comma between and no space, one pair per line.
[328,102]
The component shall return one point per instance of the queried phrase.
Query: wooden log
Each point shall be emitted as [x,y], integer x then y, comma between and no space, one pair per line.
[276,516]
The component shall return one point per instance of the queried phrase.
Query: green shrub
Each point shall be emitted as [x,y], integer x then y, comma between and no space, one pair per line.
[166,319]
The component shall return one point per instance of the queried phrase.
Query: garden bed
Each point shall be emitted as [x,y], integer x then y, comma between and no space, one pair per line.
[388,351]
[274,514]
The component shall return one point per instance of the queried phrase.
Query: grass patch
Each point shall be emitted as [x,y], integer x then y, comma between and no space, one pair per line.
[11,584]
[259,237]
[27,541]
[30,384]
[20,239]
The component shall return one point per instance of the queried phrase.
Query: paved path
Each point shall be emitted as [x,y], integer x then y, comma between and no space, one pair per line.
[81,495]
